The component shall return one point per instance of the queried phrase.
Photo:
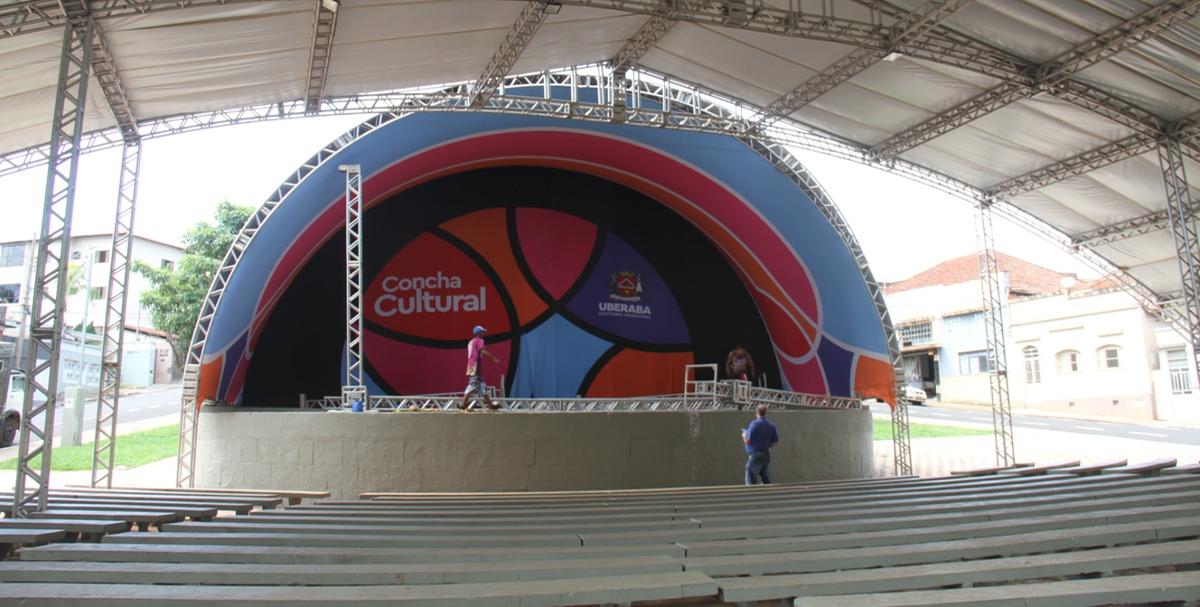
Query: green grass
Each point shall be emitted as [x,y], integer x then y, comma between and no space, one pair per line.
[133,450]
[883,430]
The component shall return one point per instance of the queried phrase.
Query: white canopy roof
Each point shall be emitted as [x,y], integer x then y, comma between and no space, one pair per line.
[1055,106]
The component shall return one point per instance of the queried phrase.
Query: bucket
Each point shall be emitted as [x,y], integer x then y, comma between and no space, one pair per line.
[356,406]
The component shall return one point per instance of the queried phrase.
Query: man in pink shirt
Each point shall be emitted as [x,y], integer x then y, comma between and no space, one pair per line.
[475,383]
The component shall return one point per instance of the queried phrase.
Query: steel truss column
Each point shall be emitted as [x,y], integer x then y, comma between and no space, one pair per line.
[993,324]
[50,282]
[119,263]
[1180,209]
[353,388]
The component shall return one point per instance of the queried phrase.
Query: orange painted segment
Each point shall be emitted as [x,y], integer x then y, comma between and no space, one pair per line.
[638,373]
[873,379]
[486,232]
[210,378]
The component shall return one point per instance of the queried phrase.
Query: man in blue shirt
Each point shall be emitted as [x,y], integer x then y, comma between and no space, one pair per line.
[759,437]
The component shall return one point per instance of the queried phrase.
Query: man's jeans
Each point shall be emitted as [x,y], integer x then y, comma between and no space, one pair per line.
[758,467]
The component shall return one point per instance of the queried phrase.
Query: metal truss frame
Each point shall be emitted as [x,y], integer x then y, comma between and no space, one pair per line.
[50,274]
[1033,79]
[533,14]
[320,50]
[649,34]
[705,396]
[1131,228]
[994,301]
[910,25]
[353,386]
[1181,210]
[116,299]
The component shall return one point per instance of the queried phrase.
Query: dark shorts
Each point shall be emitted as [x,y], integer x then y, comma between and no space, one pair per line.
[475,385]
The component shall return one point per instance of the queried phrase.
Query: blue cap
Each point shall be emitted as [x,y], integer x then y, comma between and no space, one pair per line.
[477,330]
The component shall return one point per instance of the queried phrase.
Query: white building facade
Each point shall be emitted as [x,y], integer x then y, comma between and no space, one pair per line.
[1083,350]
[89,260]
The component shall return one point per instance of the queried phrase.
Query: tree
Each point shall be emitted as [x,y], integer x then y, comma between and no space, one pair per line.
[179,292]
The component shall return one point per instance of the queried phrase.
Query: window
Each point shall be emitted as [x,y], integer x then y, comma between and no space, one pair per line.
[12,255]
[10,293]
[1108,357]
[97,293]
[167,265]
[1033,369]
[1181,375]
[101,256]
[971,363]
[919,333]
[1067,361]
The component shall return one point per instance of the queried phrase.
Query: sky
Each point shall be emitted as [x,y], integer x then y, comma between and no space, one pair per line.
[903,226]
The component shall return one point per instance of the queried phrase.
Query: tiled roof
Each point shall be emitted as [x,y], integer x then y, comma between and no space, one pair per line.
[1024,278]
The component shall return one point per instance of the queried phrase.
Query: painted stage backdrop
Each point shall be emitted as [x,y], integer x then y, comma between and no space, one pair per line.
[601,258]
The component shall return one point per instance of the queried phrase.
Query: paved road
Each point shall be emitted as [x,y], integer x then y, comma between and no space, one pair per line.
[1153,433]
[133,407]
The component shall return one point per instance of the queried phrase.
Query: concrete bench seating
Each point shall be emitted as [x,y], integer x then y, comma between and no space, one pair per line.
[192,512]
[261,501]
[374,526]
[1137,589]
[909,541]
[811,559]
[1043,469]
[340,574]
[708,518]
[1150,467]
[292,497]
[11,538]
[81,529]
[1095,468]
[965,486]
[1165,491]
[1184,469]
[263,538]
[1176,516]
[622,589]
[141,518]
[991,471]
[265,554]
[74,502]
[965,573]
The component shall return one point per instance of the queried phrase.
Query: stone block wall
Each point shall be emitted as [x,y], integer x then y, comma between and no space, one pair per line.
[348,453]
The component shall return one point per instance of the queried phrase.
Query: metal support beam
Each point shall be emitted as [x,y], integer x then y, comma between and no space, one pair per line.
[120,259]
[994,301]
[1181,210]
[653,30]
[913,24]
[353,385]
[1185,131]
[320,49]
[105,71]
[1130,228]
[519,36]
[1044,77]
[50,274]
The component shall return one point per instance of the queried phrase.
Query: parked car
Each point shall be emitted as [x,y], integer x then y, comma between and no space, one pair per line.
[914,395]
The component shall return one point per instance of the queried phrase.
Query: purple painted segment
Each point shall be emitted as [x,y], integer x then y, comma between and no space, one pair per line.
[626,297]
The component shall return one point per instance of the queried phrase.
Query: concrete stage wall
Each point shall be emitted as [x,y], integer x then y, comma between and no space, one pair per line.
[348,453]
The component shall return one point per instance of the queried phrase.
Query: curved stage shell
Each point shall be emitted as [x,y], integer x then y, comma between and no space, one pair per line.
[601,257]
[348,453]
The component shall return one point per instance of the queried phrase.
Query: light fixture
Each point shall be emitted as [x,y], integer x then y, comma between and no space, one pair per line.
[551,7]
[331,5]
[893,56]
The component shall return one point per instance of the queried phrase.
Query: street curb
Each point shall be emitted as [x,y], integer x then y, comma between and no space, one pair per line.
[1153,423]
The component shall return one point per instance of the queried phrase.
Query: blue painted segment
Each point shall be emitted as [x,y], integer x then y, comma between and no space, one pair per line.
[555,357]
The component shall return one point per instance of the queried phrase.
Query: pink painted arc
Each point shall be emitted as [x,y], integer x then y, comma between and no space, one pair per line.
[556,246]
